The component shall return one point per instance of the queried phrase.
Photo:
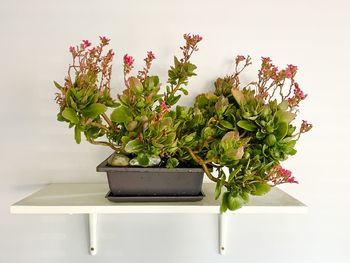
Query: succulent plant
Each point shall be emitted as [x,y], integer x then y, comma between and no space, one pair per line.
[247,130]
[241,132]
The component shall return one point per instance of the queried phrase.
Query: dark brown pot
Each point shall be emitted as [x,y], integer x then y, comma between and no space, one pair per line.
[153,181]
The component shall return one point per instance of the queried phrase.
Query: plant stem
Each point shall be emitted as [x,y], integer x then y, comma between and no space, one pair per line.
[104,144]
[98,125]
[110,123]
[198,160]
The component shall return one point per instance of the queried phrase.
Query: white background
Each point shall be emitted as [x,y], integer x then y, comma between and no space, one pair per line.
[36,150]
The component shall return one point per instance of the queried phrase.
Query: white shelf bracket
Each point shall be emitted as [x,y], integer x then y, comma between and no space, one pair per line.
[222,232]
[93,233]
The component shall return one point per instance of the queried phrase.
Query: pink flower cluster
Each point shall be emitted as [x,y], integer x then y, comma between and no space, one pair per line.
[305,126]
[192,40]
[150,56]
[142,74]
[104,40]
[286,174]
[191,46]
[128,63]
[290,71]
[73,51]
[85,44]
[279,175]
[269,70]
[93,61]
[128,60]
[240,58]
[299,95]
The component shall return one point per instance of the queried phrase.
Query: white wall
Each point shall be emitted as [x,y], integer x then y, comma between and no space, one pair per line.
[36,150]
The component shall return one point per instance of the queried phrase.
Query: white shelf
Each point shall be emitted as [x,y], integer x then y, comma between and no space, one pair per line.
[90,199]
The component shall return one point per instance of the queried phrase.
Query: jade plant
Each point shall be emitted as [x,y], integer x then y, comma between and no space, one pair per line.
[242,133]
[247,130]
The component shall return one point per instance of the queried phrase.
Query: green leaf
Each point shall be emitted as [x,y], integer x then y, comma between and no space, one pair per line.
[60,117]
[184,91]
[234,173]
[245,197]
[282,130]
[259,135]
[143,159]
[172,100]
[172,163]
[133,146]
[291,143]
[283,105]
[221,105]
[219,186]
[234,203]
[151,83]
[238,95]
[94,110]
[70,115]
[135,85]
[261,189]
[130,126]
[77,134]
[226,124]
[58,85]
[208,132]
[189,137]
[270,140]
[247,125]
[72,103]
[285,116]
[211,154]
[224,202]
[121,114]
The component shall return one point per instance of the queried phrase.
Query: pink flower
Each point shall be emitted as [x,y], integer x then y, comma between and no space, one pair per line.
[85,44]
[292,180]
[111,53]
[240,58]
[285,175]
[150,55]
[288,74]
[265,59]
[104,40]
[291,71]
[299,93]
[164,106]
[305,126]
[72,50]
[128,60]
[192,40]
[93,51]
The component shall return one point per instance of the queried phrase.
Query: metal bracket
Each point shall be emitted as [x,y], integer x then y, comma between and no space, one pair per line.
[93,233]
[222,232]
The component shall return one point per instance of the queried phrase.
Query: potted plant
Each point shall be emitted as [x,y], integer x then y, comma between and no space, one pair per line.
[162,150]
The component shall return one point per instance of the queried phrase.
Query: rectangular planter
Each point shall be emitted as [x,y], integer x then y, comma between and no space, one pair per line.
[153,181]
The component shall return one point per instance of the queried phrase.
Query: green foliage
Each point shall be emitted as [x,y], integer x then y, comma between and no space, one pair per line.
[244,133]
[121,114]
[133,146]
[143,159]
[172,163]
[260,189]
[94,110]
